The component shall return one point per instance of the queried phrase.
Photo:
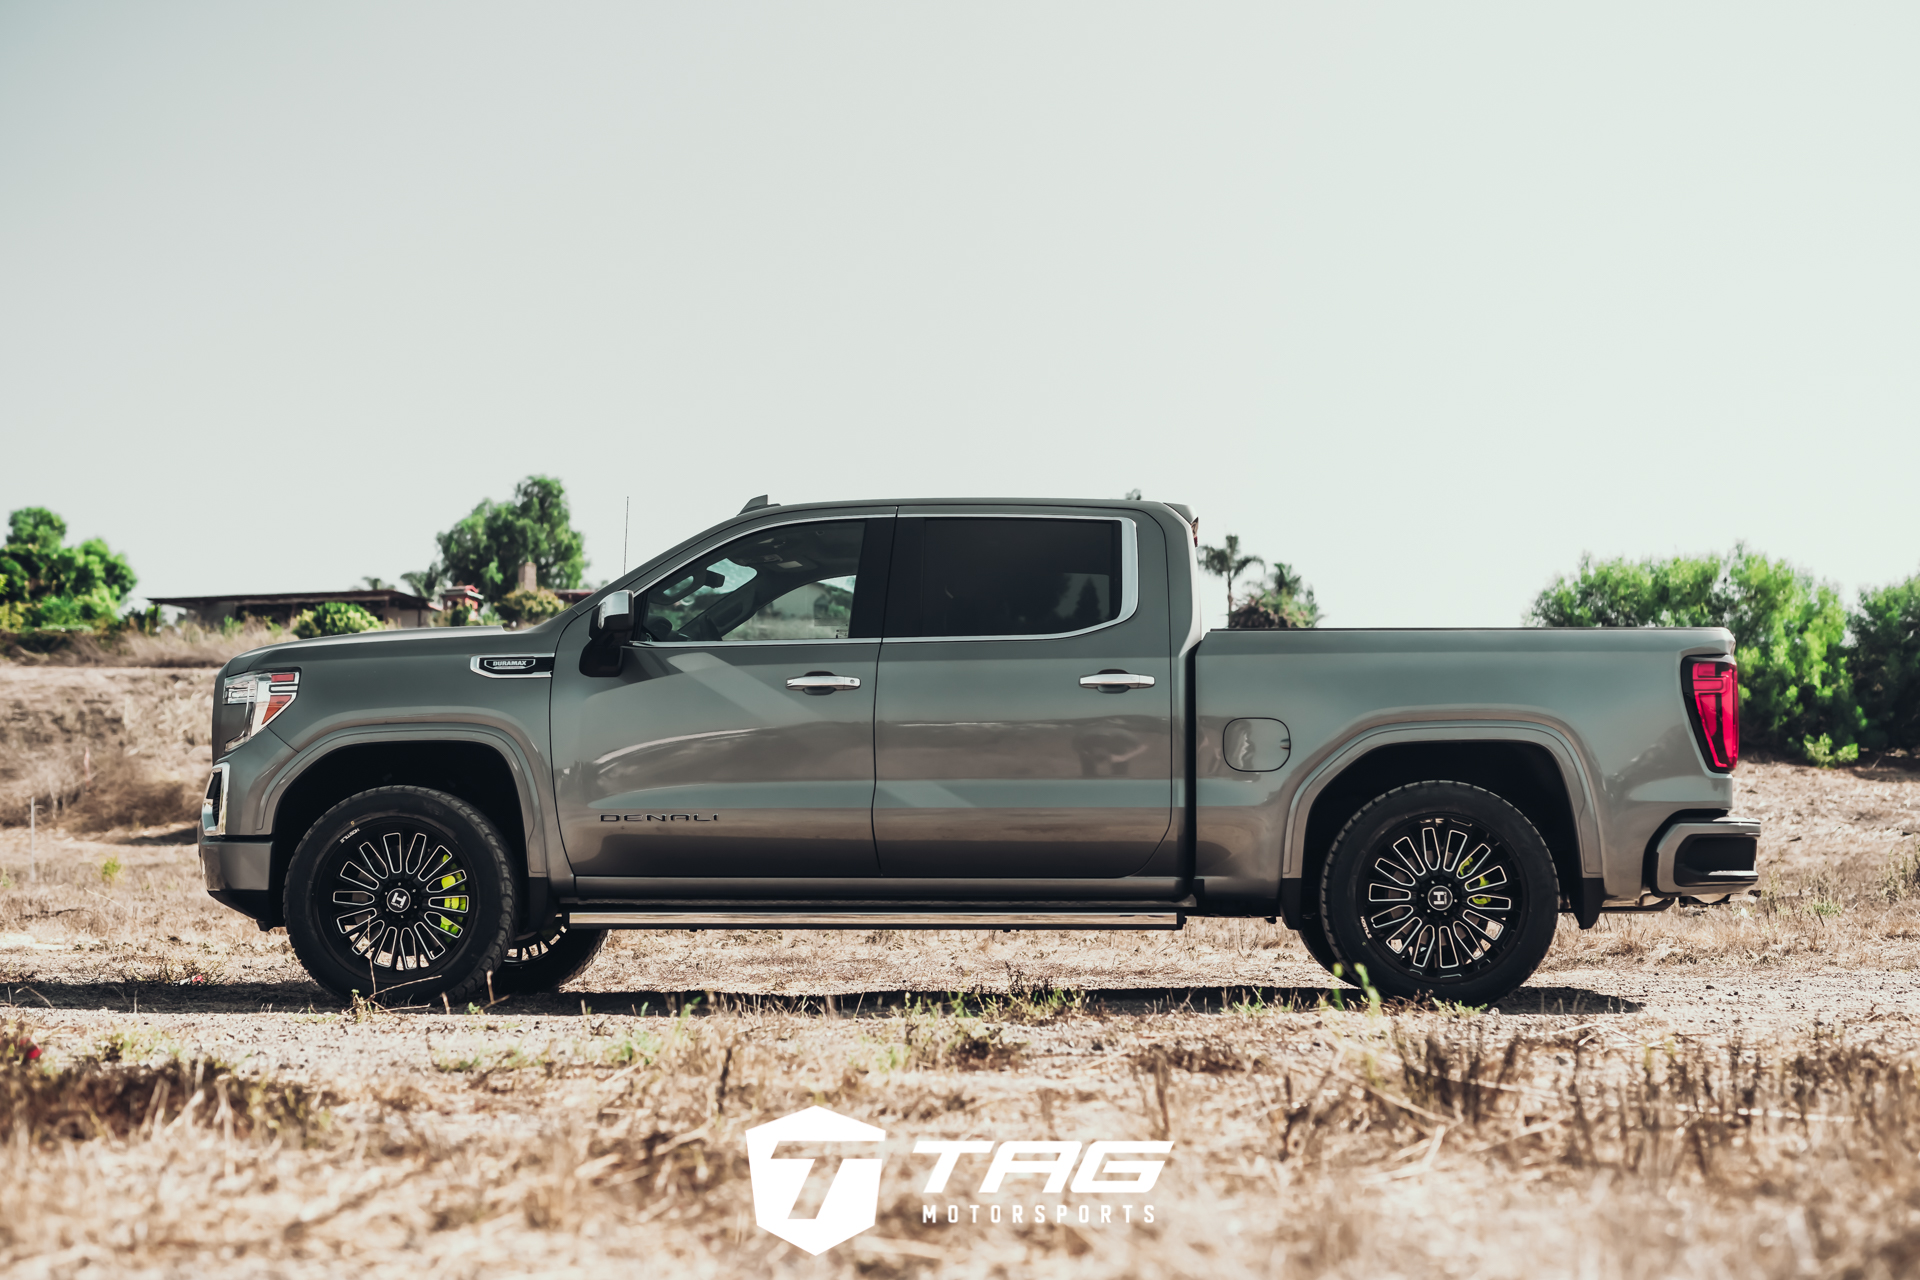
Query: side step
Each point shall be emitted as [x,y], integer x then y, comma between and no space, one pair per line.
[875,919]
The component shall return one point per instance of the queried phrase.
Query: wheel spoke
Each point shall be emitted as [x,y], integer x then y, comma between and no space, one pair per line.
[1432,902]
[399,898]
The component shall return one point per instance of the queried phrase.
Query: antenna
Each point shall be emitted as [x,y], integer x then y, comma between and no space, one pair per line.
[626,522]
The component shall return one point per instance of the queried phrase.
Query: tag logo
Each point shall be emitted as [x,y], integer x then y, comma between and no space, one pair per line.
[852,1195]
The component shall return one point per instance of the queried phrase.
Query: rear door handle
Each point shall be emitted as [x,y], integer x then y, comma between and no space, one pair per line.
[819,682]
[1116,681]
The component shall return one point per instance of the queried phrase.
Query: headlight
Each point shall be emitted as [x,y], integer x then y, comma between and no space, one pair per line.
[248,703]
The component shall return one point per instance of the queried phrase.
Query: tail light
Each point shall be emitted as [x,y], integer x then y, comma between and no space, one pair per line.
[1712,688]
[263,696]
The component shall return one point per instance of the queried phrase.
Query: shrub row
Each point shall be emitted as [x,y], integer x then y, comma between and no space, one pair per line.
[1816,680]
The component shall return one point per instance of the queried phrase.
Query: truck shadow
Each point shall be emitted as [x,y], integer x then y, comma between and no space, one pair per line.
[301,997]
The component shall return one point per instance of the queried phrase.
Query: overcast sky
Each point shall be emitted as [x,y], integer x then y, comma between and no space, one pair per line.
[1427,300]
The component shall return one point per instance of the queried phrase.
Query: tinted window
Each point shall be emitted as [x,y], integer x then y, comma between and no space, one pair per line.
[1007,577]
[796,582]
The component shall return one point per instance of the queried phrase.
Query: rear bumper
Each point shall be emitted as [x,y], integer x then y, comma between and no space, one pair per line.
[1706,859]
[239,874]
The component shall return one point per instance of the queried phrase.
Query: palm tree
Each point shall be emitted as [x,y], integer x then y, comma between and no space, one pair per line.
[1227,562]
[425,583]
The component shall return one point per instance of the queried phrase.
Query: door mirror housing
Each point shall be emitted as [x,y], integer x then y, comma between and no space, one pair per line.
[613,616]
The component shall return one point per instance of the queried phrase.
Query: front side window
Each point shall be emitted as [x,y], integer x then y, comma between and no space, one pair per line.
[795,582]
[1007,577]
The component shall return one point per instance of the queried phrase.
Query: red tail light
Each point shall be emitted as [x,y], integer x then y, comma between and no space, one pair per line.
[1713,698]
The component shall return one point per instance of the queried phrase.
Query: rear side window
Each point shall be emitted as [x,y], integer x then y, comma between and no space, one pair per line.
[1003,576]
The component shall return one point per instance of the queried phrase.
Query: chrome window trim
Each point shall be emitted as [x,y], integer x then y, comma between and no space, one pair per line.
[1129,576]
[474,666]
[1129,582]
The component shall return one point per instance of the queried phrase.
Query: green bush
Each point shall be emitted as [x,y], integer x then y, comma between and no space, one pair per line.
[334,618]
[1796,692]
[1885,657]
[524,608]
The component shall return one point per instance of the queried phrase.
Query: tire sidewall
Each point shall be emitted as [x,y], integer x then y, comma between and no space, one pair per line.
[564,960]
[1347,864]
[490,887]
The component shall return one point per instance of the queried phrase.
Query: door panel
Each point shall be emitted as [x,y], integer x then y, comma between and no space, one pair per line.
[991,759]
[703,758]
[701,762]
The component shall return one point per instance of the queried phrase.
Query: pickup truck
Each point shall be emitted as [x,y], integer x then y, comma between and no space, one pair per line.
[961,714]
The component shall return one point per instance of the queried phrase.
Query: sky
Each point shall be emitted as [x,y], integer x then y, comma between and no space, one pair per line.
[1424,300]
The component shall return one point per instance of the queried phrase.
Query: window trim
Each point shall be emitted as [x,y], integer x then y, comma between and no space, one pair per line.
[1129,575]
[640,593]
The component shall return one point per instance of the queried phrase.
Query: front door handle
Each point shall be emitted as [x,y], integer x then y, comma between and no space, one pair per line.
[819,682]
[1116,681]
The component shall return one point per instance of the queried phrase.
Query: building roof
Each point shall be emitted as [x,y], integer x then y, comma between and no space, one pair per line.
[284,599]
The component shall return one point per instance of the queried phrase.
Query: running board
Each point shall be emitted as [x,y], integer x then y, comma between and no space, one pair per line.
[874,920]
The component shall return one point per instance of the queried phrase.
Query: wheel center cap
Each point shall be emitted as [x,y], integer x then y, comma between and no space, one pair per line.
[399,900]
[1439,897]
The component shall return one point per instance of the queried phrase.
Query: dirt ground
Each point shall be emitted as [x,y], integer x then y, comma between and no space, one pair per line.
[1718,1091]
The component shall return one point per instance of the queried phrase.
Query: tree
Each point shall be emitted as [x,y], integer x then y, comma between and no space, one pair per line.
[1885,658]
[1227,562]
[1788,631]
[523,608]
[426,583]
[45,583]
[486,549]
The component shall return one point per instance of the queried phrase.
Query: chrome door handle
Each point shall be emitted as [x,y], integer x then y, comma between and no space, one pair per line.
[1116,682]
[817,682]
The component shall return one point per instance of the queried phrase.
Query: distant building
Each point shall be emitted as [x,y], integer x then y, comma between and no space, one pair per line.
[395,608]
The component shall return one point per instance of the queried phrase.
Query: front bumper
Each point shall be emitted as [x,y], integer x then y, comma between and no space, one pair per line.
[239,874]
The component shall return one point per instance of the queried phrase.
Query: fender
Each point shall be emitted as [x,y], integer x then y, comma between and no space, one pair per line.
[519,755]
[1534,729]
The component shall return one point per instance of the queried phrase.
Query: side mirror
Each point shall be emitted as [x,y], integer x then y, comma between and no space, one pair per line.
[613,616]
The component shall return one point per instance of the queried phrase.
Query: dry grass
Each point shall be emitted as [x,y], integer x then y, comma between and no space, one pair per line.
[1312,1142]
[186,645]
[104,747]
[1726,1092]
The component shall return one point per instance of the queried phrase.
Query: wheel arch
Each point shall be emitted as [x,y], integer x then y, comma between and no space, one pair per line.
[483,768]
[1533,768]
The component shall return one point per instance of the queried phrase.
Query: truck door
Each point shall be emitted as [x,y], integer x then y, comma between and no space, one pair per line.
[1024,721]
[737,739]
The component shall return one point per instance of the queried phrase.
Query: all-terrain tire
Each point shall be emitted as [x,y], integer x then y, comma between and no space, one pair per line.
[1441,890]
[401,893]
[1313,936]
[548,961]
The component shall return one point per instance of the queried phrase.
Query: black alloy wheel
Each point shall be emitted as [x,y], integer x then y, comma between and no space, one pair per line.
[548,959]
[401,893]
[1442,890]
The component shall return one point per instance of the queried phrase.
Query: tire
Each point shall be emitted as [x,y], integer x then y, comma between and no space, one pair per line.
[368,904]
[1442,890]
[1313,936]
[548,961]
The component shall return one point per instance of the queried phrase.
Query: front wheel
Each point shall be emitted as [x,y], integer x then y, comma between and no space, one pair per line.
[401,893]
[1441,890]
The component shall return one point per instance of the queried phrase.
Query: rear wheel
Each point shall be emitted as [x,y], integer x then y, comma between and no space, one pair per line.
[1443,890]
[402,893]
[549,960]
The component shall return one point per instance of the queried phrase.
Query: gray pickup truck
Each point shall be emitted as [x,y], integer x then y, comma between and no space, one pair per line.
[960,714]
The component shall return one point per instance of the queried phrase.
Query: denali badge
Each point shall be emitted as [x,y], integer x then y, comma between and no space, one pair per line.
[659,817]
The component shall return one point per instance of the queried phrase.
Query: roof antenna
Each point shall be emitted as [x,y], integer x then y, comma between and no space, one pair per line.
[626,523]
[754,504]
